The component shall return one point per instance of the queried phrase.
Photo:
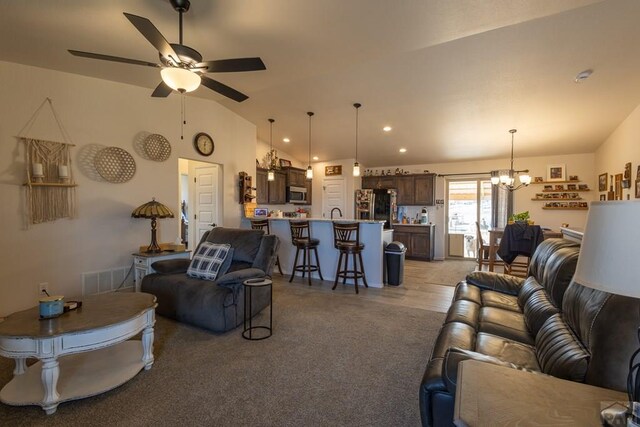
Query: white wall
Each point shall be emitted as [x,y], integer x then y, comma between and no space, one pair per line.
[582,165]
[621,147]
[262,149]
[351,184]
[104,235]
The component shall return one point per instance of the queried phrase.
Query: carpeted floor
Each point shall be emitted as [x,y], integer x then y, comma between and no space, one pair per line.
[334,359]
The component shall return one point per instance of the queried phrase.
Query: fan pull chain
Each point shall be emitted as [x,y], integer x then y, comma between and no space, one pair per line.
[183,116]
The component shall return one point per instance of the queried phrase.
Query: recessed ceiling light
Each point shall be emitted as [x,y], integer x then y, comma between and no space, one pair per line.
[583,75]
[286,140]
[387,128]
[403,150]
[315,157]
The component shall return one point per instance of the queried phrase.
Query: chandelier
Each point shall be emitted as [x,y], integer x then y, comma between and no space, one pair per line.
[505,178]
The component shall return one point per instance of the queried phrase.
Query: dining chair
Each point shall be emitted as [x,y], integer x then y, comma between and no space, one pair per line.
[483,248]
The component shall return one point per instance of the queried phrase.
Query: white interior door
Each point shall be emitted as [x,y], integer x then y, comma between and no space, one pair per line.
[204,197]
[334,192]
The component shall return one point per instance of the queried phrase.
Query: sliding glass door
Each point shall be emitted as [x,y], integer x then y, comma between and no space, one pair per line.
[468,203]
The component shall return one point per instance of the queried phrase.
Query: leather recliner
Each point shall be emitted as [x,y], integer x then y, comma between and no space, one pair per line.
[545,323]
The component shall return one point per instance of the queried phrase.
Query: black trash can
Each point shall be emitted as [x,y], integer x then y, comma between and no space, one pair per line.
[394,254]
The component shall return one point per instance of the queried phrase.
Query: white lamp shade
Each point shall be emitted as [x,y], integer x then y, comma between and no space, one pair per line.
[356,169]
[525,179]
[271,175]
[180,79]
[495,179]
[608,258]
[309,172]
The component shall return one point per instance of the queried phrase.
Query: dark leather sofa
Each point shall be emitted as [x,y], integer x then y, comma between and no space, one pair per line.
[215,305]
[546,323]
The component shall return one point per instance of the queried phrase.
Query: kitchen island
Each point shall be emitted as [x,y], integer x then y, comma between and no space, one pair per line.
[372,235]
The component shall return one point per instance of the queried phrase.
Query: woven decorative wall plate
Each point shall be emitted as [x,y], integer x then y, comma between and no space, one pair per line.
[114,165]
[157,147]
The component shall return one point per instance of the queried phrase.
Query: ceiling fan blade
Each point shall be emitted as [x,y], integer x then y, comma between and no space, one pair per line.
[223,89]
[151,33]
[232,65]
[161,91]
[112,58]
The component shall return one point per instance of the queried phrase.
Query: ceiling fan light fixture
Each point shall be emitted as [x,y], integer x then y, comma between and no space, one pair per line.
[180,79]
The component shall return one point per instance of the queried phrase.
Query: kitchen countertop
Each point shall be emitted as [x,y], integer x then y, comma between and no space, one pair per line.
[366,221]
[413,225]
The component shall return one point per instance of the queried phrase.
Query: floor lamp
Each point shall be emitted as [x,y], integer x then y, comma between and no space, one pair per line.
[609,262]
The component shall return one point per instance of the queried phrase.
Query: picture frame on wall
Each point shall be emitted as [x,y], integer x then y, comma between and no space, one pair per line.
[284,163]
[603,197]
[637,188]
[602,181]
[556,172]
[333,170]
[618,186]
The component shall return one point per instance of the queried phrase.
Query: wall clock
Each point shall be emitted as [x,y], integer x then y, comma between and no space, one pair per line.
[203,144]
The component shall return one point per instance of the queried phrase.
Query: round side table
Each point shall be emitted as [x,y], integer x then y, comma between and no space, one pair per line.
[247,332]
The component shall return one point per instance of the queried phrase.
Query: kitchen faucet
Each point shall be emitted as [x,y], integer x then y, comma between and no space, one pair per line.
[339,211]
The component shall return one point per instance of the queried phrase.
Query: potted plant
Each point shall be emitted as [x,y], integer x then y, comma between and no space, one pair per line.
[521,217]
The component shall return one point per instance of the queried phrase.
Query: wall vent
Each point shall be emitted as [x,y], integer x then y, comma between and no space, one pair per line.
[100,282]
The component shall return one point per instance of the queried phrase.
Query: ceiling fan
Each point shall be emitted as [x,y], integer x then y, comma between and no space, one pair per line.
[182,68]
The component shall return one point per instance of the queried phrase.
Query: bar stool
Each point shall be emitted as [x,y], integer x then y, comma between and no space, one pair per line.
[261,224]
[346,238]
[302,240]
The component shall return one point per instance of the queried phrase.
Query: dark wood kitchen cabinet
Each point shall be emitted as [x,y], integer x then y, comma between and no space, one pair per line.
[308,183]
[425,190]
[262,187]
[271,192]
[413,190]
[377,182]
[418,239]
[406,190]
[296,177]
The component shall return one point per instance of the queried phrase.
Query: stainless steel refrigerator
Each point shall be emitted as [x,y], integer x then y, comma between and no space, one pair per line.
[376,205]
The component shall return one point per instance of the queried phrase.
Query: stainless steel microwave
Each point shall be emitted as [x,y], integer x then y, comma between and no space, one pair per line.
[297,195]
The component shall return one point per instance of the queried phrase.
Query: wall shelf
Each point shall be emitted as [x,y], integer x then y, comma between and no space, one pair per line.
[556,198]
[556,182]
[49,184]
[565,208]
[564,191]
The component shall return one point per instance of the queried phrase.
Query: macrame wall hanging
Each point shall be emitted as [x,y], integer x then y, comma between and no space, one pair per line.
[50,186]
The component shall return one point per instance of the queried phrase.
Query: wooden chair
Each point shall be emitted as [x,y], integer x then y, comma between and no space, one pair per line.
[483,248]
[302,240]
[346,239]
[518,268]
[262,224]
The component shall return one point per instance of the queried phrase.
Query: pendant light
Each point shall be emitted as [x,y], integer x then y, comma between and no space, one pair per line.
[356,165]
[309,168]
[271,174]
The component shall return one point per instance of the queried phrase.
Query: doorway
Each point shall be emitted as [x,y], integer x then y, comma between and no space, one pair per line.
[200,199]
[468,202]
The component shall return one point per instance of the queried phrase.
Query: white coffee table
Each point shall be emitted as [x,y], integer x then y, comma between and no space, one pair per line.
[81,353]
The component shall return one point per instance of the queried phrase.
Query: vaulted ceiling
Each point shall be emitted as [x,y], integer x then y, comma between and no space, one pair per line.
[450,77]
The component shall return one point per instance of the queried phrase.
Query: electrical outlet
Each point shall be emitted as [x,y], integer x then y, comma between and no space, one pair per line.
[43,288]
